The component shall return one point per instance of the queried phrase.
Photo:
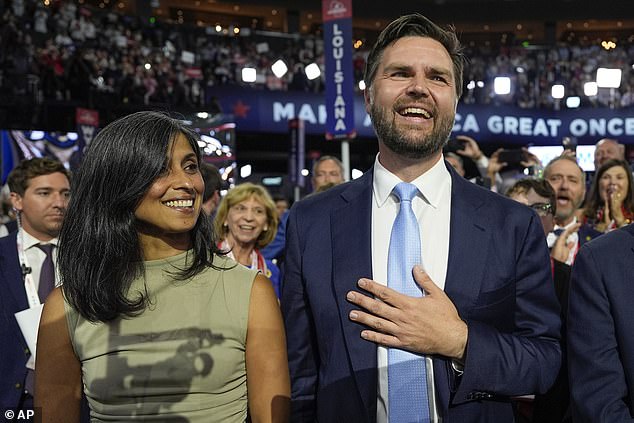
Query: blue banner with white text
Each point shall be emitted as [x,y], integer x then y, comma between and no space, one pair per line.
[339,78]
[269,112]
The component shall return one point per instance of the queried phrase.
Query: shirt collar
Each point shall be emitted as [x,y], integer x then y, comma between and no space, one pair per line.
[572,222]
[30,241]
[429,183]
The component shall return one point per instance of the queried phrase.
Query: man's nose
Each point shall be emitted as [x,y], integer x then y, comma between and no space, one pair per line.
[418,86]
[60,200]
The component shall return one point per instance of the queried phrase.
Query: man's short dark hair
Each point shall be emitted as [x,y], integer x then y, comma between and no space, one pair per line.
[416,25]
[212,178]
[26,170]
[540,186]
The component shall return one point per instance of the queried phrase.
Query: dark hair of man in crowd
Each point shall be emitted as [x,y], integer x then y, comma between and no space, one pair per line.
[541,188]
[416,25]
[26,170]
[99,248]
[212,178]
[594,201]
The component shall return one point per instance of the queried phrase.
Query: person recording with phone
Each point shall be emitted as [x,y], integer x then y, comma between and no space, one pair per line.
[507,167]
[459,151]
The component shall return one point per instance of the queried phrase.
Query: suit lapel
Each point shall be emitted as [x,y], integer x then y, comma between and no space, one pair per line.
[352,259]
[468,240]
[467,256]
[11,271]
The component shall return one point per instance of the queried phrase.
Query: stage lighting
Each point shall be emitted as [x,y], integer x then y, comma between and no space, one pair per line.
[557,91]
[245,171]
[312,71]
[502,85]
[573,102]
[590,89]
[249,74]
[608,78]
[279,68]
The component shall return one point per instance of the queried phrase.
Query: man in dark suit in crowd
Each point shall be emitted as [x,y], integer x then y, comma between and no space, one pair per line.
[601,330]
[487,326]
[568,180]
[39,194]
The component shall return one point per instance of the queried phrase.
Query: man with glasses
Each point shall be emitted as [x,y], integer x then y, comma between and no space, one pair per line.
[540,196]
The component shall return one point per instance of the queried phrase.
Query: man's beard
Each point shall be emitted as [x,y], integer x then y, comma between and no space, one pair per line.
[416,146]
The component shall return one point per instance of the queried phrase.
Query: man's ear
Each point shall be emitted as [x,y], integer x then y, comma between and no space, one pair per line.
[367,97]
[16,201]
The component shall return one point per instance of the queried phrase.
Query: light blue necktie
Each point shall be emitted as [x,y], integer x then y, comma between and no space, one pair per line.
[406,372]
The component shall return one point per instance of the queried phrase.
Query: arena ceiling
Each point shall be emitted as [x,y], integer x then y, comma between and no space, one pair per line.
[541,21]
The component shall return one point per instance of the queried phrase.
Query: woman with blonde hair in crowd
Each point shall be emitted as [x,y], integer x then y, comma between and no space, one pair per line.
[246,221]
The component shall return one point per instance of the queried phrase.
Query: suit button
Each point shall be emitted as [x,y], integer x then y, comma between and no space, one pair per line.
[18,385]
[27,351]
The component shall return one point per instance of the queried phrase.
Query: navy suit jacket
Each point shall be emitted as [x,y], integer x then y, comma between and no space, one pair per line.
[498,277]
[14,352]
[601,329]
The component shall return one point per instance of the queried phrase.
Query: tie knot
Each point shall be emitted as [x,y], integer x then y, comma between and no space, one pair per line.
[47,248]
[405,191]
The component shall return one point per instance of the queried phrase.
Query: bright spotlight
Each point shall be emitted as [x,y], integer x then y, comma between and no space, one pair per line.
[37,135]
[202,115]
[148,66]
[249,74]
[305,172]
[362,85]
[245,171]
[279,68]
[471,85]
[356,173]
[608,78]
[573,102]
[590,89]
[502,85]
[312,71]
[557,91]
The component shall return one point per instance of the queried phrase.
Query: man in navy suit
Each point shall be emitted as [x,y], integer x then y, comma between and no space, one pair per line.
[488,326]
[600,329]
[39,194]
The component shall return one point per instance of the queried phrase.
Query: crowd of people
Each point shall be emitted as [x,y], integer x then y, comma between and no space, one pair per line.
[86,55]
[410,294]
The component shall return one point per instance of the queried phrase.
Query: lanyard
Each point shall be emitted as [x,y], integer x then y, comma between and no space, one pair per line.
[27,275]
[257,260]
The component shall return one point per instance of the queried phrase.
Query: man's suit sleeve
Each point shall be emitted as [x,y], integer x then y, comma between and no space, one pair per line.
[301,343]
[597,377]
[522,356]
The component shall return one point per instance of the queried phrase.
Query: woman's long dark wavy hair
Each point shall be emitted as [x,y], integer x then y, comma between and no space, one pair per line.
[595,202]
[99,250]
